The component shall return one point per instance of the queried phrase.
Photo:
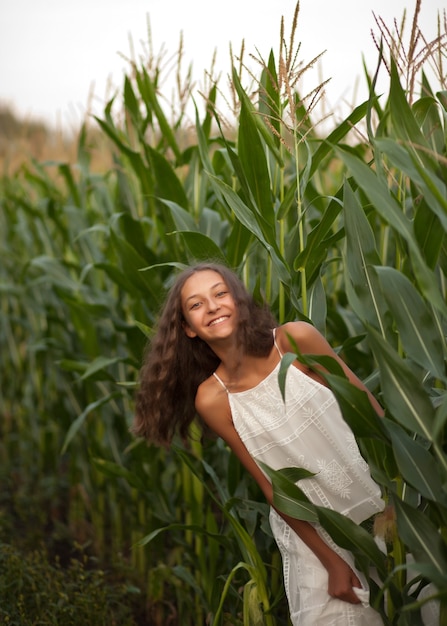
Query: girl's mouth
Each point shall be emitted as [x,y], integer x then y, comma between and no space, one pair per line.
[218,320]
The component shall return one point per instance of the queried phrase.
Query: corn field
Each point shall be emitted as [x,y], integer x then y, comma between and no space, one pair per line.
[345,229]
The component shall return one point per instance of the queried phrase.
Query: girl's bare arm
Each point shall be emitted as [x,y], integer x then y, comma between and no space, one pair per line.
[310,341]
[213,409]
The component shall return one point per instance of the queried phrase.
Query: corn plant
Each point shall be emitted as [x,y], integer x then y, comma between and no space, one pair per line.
[346,231]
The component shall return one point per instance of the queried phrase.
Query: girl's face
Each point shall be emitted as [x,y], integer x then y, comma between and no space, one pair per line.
[208,307]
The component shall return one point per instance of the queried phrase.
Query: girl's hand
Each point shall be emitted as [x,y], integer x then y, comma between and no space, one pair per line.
[341,582]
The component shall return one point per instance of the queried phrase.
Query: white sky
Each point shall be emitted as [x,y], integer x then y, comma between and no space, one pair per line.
[55,54]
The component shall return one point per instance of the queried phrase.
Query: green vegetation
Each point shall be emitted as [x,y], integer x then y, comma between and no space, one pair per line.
[33,591]
[347,230]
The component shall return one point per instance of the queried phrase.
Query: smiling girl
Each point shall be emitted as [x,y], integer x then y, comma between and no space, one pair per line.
[216,354]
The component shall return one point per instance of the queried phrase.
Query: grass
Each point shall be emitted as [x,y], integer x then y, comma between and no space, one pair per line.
[34,591]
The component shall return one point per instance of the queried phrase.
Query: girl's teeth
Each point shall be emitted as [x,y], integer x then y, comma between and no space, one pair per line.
[220,319]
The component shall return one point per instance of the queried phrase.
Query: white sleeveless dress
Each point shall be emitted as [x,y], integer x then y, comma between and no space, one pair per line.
[309,431]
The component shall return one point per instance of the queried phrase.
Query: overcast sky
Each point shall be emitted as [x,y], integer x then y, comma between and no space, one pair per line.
[55,54]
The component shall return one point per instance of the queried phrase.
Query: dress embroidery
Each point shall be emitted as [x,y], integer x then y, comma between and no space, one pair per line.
[334,477]
[308,430]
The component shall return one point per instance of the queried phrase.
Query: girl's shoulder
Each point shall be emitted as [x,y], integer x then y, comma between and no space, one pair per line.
[211,404]
[209,394]
[302,334]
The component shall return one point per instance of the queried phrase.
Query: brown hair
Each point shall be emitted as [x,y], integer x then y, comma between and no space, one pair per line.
[175,365]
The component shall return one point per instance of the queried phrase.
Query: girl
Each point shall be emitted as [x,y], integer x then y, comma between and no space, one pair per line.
[217,353]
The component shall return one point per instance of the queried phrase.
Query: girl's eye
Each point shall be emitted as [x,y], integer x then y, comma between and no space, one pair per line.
[194,306]
[221,293]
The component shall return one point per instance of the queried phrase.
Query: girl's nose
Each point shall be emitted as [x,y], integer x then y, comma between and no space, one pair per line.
[213,305]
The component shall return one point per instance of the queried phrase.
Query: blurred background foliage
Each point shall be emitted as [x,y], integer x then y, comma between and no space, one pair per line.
[344,227]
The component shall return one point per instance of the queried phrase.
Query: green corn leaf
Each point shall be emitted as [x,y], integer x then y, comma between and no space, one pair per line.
[288,497]
[288,202]
[381,461]
[317,305]
[118,277]
[132,230]
[405,397]
[211,102]
[114,470]
[264,131]
[69,365]
[53,271]
[167,185]
[131,103]
[249,220]
[294,474]
[185,575]
[222,539]
[149,95]
[440,418]
[135,159]
[201,246]
[422,539]
[416,464]
[117,136]
[356,408]
[246,194]
[306,157]
[182,218]
[377,191]
[405,126]
[245,542]
[66,172]
[408,161]
[202,144]
[133,262]
[238,243]
[243,213]
[286,362]
[353,537]
[100,364]
[145,329]
[429,233]
[253,160]
[428,116]
[420,335]
[318,244]
[255,579]
[270,99]
[212,225]
[361,256]
[171,264]
[79,421]
[83,308]
[338,134]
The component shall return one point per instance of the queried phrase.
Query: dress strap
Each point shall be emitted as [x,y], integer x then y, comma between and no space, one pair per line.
[276,345]
[220,381]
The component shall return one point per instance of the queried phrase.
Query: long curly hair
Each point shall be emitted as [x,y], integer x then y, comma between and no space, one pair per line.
[174,365]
